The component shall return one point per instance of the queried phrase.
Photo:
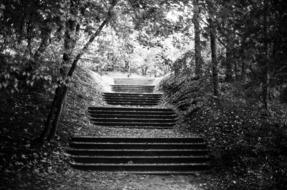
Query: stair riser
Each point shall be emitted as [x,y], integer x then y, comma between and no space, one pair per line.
[127,124]
[142,168]
[111,94]
[133,86]
[139,146]
[134,120]
[132,91]
[137,153]
[131,104]
[133,81]
[132,116]
[115,95]
[141,160]
[138,140]
[132,109]
[111,112]
[132,99]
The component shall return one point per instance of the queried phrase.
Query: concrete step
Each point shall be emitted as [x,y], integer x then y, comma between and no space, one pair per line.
[110,94]
[129,109]
[97,145]
[136,120]
[141,166]
[135,124]
[132,103]
[137,152]
[132,99]
[133,115]
[128,102]
[133,81]
[132,86]
[136,140]
[140,159]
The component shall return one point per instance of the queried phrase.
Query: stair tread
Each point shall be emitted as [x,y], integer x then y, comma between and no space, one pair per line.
[128,108]
[141,115]
[132,157]
[73,163]
[132,94]
[133,85]
[135,150]
[130,112]
[132,119]
[138,143]
[148,138]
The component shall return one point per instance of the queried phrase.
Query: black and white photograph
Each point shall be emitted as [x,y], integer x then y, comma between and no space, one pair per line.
[143,94]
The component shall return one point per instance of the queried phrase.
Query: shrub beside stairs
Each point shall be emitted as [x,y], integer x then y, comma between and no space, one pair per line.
[137,155]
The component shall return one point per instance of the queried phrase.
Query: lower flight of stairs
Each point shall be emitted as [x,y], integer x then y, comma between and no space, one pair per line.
[132,117]
[132,99]
[139,155]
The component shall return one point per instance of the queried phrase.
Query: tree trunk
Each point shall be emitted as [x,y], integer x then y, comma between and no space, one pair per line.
[197,45]
[213,47]
[265,85]
[243,70]
[228,63]
[243,60]
[61,91]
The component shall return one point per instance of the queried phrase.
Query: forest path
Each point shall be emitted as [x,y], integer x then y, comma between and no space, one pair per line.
[128,181]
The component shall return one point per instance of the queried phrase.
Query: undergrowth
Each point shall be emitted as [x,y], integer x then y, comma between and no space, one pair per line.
[23,166]
[248,145]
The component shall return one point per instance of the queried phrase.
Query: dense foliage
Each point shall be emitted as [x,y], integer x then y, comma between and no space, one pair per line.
[248,145]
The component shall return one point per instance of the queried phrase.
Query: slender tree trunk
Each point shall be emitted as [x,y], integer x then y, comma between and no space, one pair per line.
[265,85]
[197,45]
[213,47]
[228,63]
[243,60]
[61,91]
[243,70]
[236,70]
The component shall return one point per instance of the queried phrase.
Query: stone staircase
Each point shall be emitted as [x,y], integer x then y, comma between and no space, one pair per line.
[137,155]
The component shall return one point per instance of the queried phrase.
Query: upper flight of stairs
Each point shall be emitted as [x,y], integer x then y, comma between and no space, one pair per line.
[132,99]
[139,155]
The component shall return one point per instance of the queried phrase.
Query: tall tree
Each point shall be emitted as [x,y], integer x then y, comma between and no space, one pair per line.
[197,43]
[213,45]
[67,69]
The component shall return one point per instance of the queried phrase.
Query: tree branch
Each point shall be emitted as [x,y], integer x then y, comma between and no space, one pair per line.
[90,41]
